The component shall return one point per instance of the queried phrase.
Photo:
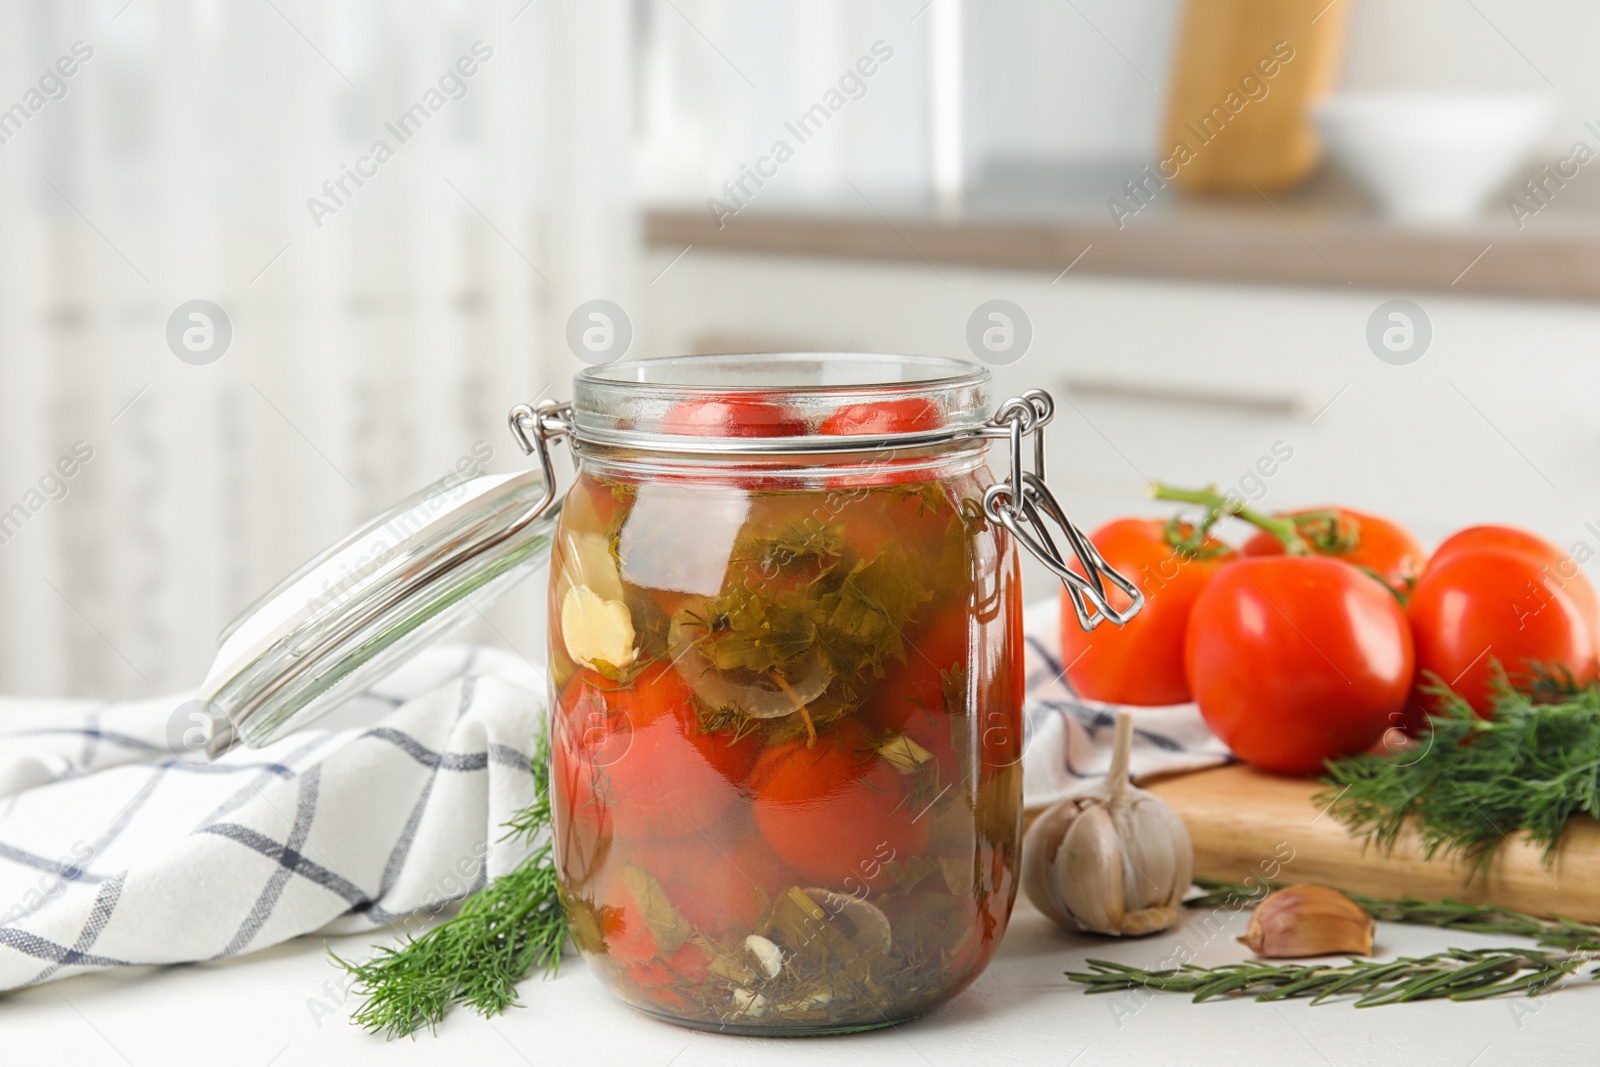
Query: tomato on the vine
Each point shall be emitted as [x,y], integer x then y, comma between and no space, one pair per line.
[1296,660]
[1505,538]
[659,773]
[1558,567]
[835,810]
[1489,598]
[1141,662]
[1368,541]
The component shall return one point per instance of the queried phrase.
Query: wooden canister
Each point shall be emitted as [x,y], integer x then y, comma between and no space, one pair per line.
[1245,73]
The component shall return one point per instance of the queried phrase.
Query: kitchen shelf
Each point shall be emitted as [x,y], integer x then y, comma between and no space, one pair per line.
[1321,235]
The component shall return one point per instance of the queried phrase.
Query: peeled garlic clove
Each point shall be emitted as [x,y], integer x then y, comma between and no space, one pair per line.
[749,1002]
[596,630]
[588,561]
[1309,920]
[769,957]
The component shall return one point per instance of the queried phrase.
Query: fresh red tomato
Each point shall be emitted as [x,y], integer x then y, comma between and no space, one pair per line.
[658,772]
[1478,606]
[1142,661]
[835,810]
[735,415]
[1560,569]
[1370,542]
[1296,660]
[1506,538]
[910,415]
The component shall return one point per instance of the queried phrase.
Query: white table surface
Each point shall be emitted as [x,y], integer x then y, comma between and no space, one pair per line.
[282,1007]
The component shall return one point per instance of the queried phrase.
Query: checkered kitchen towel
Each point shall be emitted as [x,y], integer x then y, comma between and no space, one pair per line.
[114,852]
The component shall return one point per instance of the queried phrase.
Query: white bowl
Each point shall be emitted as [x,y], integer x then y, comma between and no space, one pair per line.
[1433,157]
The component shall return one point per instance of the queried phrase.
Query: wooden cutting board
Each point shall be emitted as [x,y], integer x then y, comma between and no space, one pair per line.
[1246,822]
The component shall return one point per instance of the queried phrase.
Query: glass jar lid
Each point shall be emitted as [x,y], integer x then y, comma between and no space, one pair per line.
[354,613]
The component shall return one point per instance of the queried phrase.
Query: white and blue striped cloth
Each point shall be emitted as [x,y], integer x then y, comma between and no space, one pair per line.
[118,849]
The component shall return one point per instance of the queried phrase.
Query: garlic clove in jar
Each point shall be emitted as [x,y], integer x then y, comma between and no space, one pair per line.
[1112,859]
[1309,920]
[595,629]
[588,561]
[768,957]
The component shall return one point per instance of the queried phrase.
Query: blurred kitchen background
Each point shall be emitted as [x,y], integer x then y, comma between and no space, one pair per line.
[1213,312]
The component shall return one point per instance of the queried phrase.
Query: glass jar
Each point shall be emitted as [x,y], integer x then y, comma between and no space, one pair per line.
[786,689]
[785,669]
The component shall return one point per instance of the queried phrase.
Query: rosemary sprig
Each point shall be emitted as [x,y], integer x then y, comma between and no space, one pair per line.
[1568,934]
[1472,781]
[1457,974]
[499,936]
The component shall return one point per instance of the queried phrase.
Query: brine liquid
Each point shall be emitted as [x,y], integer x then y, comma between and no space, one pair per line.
[786,738]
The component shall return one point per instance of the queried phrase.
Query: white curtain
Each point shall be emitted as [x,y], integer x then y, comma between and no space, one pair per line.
[374,345]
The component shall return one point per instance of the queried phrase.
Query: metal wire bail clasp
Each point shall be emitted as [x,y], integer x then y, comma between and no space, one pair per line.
[1023,501]
[536,428]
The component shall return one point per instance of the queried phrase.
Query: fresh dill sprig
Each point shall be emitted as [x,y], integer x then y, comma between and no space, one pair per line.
[1456,974]
[500,935]
[1446,914]
[1472,782]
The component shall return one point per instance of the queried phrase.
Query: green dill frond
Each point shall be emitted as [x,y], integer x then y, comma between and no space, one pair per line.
[1471,783]
[501,935]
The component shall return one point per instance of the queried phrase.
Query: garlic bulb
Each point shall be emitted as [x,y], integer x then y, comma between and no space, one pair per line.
[1111,859]
[1309,920]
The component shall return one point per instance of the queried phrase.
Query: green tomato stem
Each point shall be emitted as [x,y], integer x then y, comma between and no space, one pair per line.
[1218,504]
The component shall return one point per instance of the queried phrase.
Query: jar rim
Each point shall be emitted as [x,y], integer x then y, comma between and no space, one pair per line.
[658,373]
[753,401]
